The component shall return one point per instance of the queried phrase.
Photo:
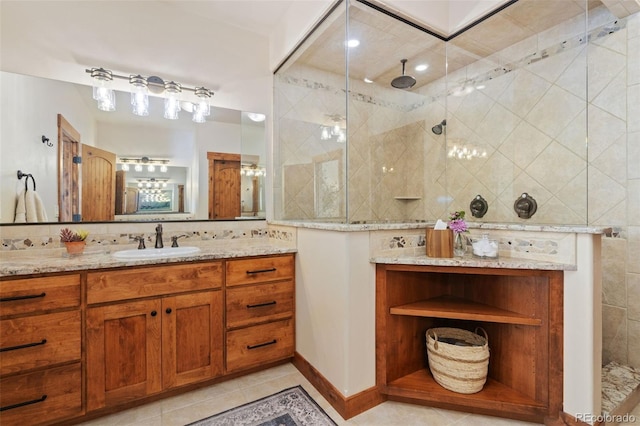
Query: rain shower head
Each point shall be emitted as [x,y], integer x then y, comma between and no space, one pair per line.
[403,81]
[438,128]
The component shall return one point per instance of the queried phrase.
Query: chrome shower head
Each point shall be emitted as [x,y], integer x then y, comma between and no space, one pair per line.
[438,128]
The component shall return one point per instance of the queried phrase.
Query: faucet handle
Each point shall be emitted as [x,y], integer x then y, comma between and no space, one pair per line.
[140,241]
[174,240]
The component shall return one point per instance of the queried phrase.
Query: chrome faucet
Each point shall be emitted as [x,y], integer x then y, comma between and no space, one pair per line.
[159,236]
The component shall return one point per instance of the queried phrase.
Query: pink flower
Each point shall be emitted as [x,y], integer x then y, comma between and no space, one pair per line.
[457,223]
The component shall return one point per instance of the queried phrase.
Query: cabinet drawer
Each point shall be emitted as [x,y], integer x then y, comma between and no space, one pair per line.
[133,283]
[258,270]
[42,397]
[34,295]
[39,340]
[254,304]
[259,344]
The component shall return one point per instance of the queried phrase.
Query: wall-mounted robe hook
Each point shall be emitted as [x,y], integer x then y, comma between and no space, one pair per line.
[46,140]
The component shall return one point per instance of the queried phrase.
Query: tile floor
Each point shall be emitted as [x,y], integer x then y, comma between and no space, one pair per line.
[192,406]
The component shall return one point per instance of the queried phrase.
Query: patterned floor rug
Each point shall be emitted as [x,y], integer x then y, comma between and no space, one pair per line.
[289,407]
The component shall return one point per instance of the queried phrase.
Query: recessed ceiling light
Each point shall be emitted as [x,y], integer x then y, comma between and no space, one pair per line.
[353,43]
[366,80]
[421,67]
[480,86]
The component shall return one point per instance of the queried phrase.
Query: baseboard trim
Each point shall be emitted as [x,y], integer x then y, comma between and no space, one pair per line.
[347,407]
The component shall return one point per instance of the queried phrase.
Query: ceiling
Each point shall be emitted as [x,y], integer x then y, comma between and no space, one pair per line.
[228,46]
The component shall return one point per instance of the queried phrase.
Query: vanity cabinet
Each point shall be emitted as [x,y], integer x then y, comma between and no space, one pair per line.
[151,329]
[40,339]
[260,305]
[521,311]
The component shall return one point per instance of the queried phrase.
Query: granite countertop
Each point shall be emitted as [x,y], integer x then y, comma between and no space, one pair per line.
[99,258]
[474,262]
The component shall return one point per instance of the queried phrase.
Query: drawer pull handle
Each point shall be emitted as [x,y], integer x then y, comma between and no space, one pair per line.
[22,404]
[27,345]
[260,305]
[274,341]
[259,271]
[29,296]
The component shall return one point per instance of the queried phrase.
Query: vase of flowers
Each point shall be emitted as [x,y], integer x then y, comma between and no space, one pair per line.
[458,225]
[74,241]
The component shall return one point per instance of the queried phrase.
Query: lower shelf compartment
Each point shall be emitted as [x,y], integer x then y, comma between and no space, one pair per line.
[421,386]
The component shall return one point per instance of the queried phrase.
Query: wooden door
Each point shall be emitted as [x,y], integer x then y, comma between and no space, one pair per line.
[123,352]
[224,185]
[98,184]
[191,338]
[131,203]
[68,180]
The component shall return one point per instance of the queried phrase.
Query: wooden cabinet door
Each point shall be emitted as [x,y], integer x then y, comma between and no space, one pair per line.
[123,352]
[191,338]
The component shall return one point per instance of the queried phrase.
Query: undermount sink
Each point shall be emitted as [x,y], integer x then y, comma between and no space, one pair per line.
[154,253]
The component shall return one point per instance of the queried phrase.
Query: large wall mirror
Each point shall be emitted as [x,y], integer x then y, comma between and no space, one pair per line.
[157,167]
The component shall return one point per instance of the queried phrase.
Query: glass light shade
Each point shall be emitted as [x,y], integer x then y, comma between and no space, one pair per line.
[124,167]
[139,184]
[172,101]
[102,91]
[151,168]
[139,95]
[164,168]
[201,109]
[324,134]
[138,167]
[105,97]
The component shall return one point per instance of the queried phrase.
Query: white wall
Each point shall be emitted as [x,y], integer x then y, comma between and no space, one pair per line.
[36,102]
[335,307]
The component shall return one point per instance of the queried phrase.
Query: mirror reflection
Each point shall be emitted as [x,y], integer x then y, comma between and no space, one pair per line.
[98,166]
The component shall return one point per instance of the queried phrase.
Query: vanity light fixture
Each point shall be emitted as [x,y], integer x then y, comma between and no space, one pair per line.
[141,86]
[140,162]
[334,131]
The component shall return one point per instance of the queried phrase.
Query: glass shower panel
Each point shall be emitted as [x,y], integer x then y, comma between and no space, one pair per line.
[395,162]
[517,113]
[310,125]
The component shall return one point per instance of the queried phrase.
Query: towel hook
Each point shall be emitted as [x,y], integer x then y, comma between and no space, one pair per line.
[21,174]
[46,140]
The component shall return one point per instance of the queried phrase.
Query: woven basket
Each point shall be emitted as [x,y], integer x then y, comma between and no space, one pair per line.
[461,369]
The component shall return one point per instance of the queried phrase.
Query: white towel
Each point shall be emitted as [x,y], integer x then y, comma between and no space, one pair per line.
[35,208]
[21,209]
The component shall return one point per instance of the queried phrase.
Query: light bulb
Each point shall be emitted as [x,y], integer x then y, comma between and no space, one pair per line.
[138,168]
[324,135]
[151,168]
[125,167]
[164,168]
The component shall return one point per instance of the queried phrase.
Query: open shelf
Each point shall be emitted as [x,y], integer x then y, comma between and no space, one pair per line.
[463,309]
[421,385]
